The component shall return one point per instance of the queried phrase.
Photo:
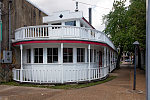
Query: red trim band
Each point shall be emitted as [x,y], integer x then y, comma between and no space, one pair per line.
[62,41]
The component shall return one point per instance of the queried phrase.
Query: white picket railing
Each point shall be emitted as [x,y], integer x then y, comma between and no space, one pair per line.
[60,75]
[61,32]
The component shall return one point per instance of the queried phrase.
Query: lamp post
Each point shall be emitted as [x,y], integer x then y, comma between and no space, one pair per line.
[136,44]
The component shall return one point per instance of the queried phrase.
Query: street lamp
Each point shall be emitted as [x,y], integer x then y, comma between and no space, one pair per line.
[136,44]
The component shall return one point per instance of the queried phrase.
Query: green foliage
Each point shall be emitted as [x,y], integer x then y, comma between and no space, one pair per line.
[124,24]
[137,21]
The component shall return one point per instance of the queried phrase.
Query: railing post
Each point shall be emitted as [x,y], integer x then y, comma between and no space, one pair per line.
[21,76]
[89,46]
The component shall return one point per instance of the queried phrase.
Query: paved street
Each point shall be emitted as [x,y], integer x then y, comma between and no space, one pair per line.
[117,89]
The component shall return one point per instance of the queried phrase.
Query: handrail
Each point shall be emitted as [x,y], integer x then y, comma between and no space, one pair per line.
[43,31]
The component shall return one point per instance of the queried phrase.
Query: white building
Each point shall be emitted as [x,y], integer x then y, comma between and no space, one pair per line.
[68,49]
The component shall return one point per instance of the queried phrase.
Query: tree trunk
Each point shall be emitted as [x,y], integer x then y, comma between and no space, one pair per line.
[119,57]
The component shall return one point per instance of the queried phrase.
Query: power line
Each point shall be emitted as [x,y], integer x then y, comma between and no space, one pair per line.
[91,5]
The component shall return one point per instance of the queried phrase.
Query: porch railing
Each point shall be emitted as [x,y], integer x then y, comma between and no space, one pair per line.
[61,32]
[60,75]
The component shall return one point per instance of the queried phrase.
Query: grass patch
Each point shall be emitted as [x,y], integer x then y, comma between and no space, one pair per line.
[66,86]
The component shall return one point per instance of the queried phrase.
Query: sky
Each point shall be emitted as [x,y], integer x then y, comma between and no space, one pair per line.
[99,8]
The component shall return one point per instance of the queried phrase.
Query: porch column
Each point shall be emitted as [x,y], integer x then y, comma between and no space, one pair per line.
[105,57]
[93,56]
[89,46]
[32,56]
[61,62]
[110,61]
[21,49]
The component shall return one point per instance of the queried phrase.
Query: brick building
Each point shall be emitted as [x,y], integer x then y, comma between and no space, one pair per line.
[23,13]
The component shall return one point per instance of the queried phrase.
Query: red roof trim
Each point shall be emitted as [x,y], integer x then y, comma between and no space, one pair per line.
[87,22]
[62,41]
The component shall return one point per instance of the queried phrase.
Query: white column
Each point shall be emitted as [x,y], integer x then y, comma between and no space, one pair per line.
[105,57]
[86,55]
[113,59]
[93,56]
[45,55]
[110,61]
[61,61]
[74,55]
[21,48]
[89,46]
[32,55]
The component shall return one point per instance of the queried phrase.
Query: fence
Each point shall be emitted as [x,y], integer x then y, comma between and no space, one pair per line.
[60,75]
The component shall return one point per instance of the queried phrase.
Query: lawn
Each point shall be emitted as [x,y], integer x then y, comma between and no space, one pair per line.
[65,86]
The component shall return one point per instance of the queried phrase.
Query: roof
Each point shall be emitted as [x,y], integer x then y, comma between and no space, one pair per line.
[87,22]
[36,6]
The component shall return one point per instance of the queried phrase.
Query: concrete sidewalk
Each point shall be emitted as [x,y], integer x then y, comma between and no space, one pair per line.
[117,89]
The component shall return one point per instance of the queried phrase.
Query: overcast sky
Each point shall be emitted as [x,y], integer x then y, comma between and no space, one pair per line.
[102,7]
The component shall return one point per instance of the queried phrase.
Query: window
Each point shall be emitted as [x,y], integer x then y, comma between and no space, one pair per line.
[91,55]
[67,55]
[38,55]
[28,55]
[71,23]
[80,54]
[52,55]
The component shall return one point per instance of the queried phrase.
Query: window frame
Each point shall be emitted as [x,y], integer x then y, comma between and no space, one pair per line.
[28,51]
[67,55]
[52,55]
[38,55]
[80,55]
[74,23]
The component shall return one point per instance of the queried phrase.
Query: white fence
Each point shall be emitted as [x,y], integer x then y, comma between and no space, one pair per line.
[60,75]
[61,32]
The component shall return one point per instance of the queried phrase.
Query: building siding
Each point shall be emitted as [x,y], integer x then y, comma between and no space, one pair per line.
[22,14]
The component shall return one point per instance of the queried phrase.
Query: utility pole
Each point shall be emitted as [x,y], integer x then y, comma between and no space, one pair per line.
[148,50]
[10,2]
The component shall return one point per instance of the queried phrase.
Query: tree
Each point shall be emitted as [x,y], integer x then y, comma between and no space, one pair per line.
[137,21]
[124,25]
[117,27]
[137,18]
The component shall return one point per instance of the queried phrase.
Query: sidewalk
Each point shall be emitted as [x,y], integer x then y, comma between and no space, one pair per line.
[117,89]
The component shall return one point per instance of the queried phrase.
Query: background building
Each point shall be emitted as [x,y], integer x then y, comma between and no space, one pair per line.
[23,13]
